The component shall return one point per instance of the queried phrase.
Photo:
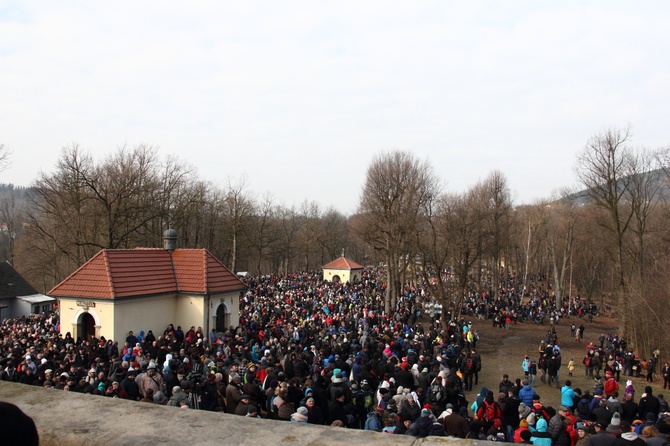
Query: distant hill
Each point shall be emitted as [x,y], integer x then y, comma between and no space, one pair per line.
[658,176]
[20,191]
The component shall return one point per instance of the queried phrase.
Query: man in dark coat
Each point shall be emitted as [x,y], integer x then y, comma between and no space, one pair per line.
[557,428]
[648,403]
[130,386]
[336,409]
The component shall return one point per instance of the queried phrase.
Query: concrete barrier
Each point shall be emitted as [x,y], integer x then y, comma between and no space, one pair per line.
[64,418]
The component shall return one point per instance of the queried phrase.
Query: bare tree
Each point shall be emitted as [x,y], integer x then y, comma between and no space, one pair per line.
[333,234]
[499,208]
[239,205]
[603,168]
[396,186]
[560,242]
[5,154]
[289,222]
[643,195]
[464,221]
[261,236]
[432,239]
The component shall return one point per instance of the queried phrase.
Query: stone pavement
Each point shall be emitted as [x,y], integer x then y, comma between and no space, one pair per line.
[65,418]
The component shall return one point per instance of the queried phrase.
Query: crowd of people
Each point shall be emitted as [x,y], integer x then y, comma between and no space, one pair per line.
[309,351]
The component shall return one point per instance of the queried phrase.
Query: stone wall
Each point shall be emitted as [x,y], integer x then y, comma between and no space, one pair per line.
[65,418]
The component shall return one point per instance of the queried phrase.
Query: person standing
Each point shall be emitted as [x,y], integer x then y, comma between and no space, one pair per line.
[478,365]
[524,366]
[648,403]
[568,395]
[558,429]
[468,369]
[666,376]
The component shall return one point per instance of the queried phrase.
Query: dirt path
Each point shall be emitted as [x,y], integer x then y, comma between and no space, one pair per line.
[503,351]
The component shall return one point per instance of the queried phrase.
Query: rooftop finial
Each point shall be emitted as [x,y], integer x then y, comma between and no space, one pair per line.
[170,239]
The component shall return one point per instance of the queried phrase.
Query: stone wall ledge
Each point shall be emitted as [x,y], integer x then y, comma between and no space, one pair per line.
[64,418]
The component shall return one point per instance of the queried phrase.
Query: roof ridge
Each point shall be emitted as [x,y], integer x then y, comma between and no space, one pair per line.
[110,282]
[348,263]
[174,271]
[205,270]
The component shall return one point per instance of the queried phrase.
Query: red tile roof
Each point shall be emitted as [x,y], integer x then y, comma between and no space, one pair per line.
[121,273]
[342,263]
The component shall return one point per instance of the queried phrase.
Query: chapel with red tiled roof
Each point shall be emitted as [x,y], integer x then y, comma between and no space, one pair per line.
[119,290]
[342,270]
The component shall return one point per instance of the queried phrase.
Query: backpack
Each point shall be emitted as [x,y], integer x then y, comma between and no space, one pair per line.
[368,400]
[435,393]
[583,408]
[532,367]
[489,411]
[469,364]
[539,412]
[587,361]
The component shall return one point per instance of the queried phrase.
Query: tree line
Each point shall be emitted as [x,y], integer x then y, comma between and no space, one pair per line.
[608,244]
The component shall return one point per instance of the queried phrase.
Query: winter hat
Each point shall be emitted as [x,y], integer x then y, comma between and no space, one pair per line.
[615,425]
[300,415]
[523,423]
[425,412]
[159,398]
[531,419]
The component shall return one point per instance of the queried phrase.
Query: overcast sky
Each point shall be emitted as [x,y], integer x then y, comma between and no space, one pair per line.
[300,96]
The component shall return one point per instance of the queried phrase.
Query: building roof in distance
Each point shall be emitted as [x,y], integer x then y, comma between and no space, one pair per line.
[343,263]
[124,273]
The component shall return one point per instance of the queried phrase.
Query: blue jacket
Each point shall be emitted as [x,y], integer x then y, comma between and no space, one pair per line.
[373,423]
[526,395]
[567,397]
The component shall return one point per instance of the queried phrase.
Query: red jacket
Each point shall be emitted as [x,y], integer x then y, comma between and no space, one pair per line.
[611,386]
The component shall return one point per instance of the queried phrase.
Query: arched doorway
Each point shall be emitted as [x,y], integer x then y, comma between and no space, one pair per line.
[336,279]
[222,318]
[86,326]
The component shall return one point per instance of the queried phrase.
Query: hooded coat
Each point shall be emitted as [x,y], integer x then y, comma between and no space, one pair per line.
[541,437]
